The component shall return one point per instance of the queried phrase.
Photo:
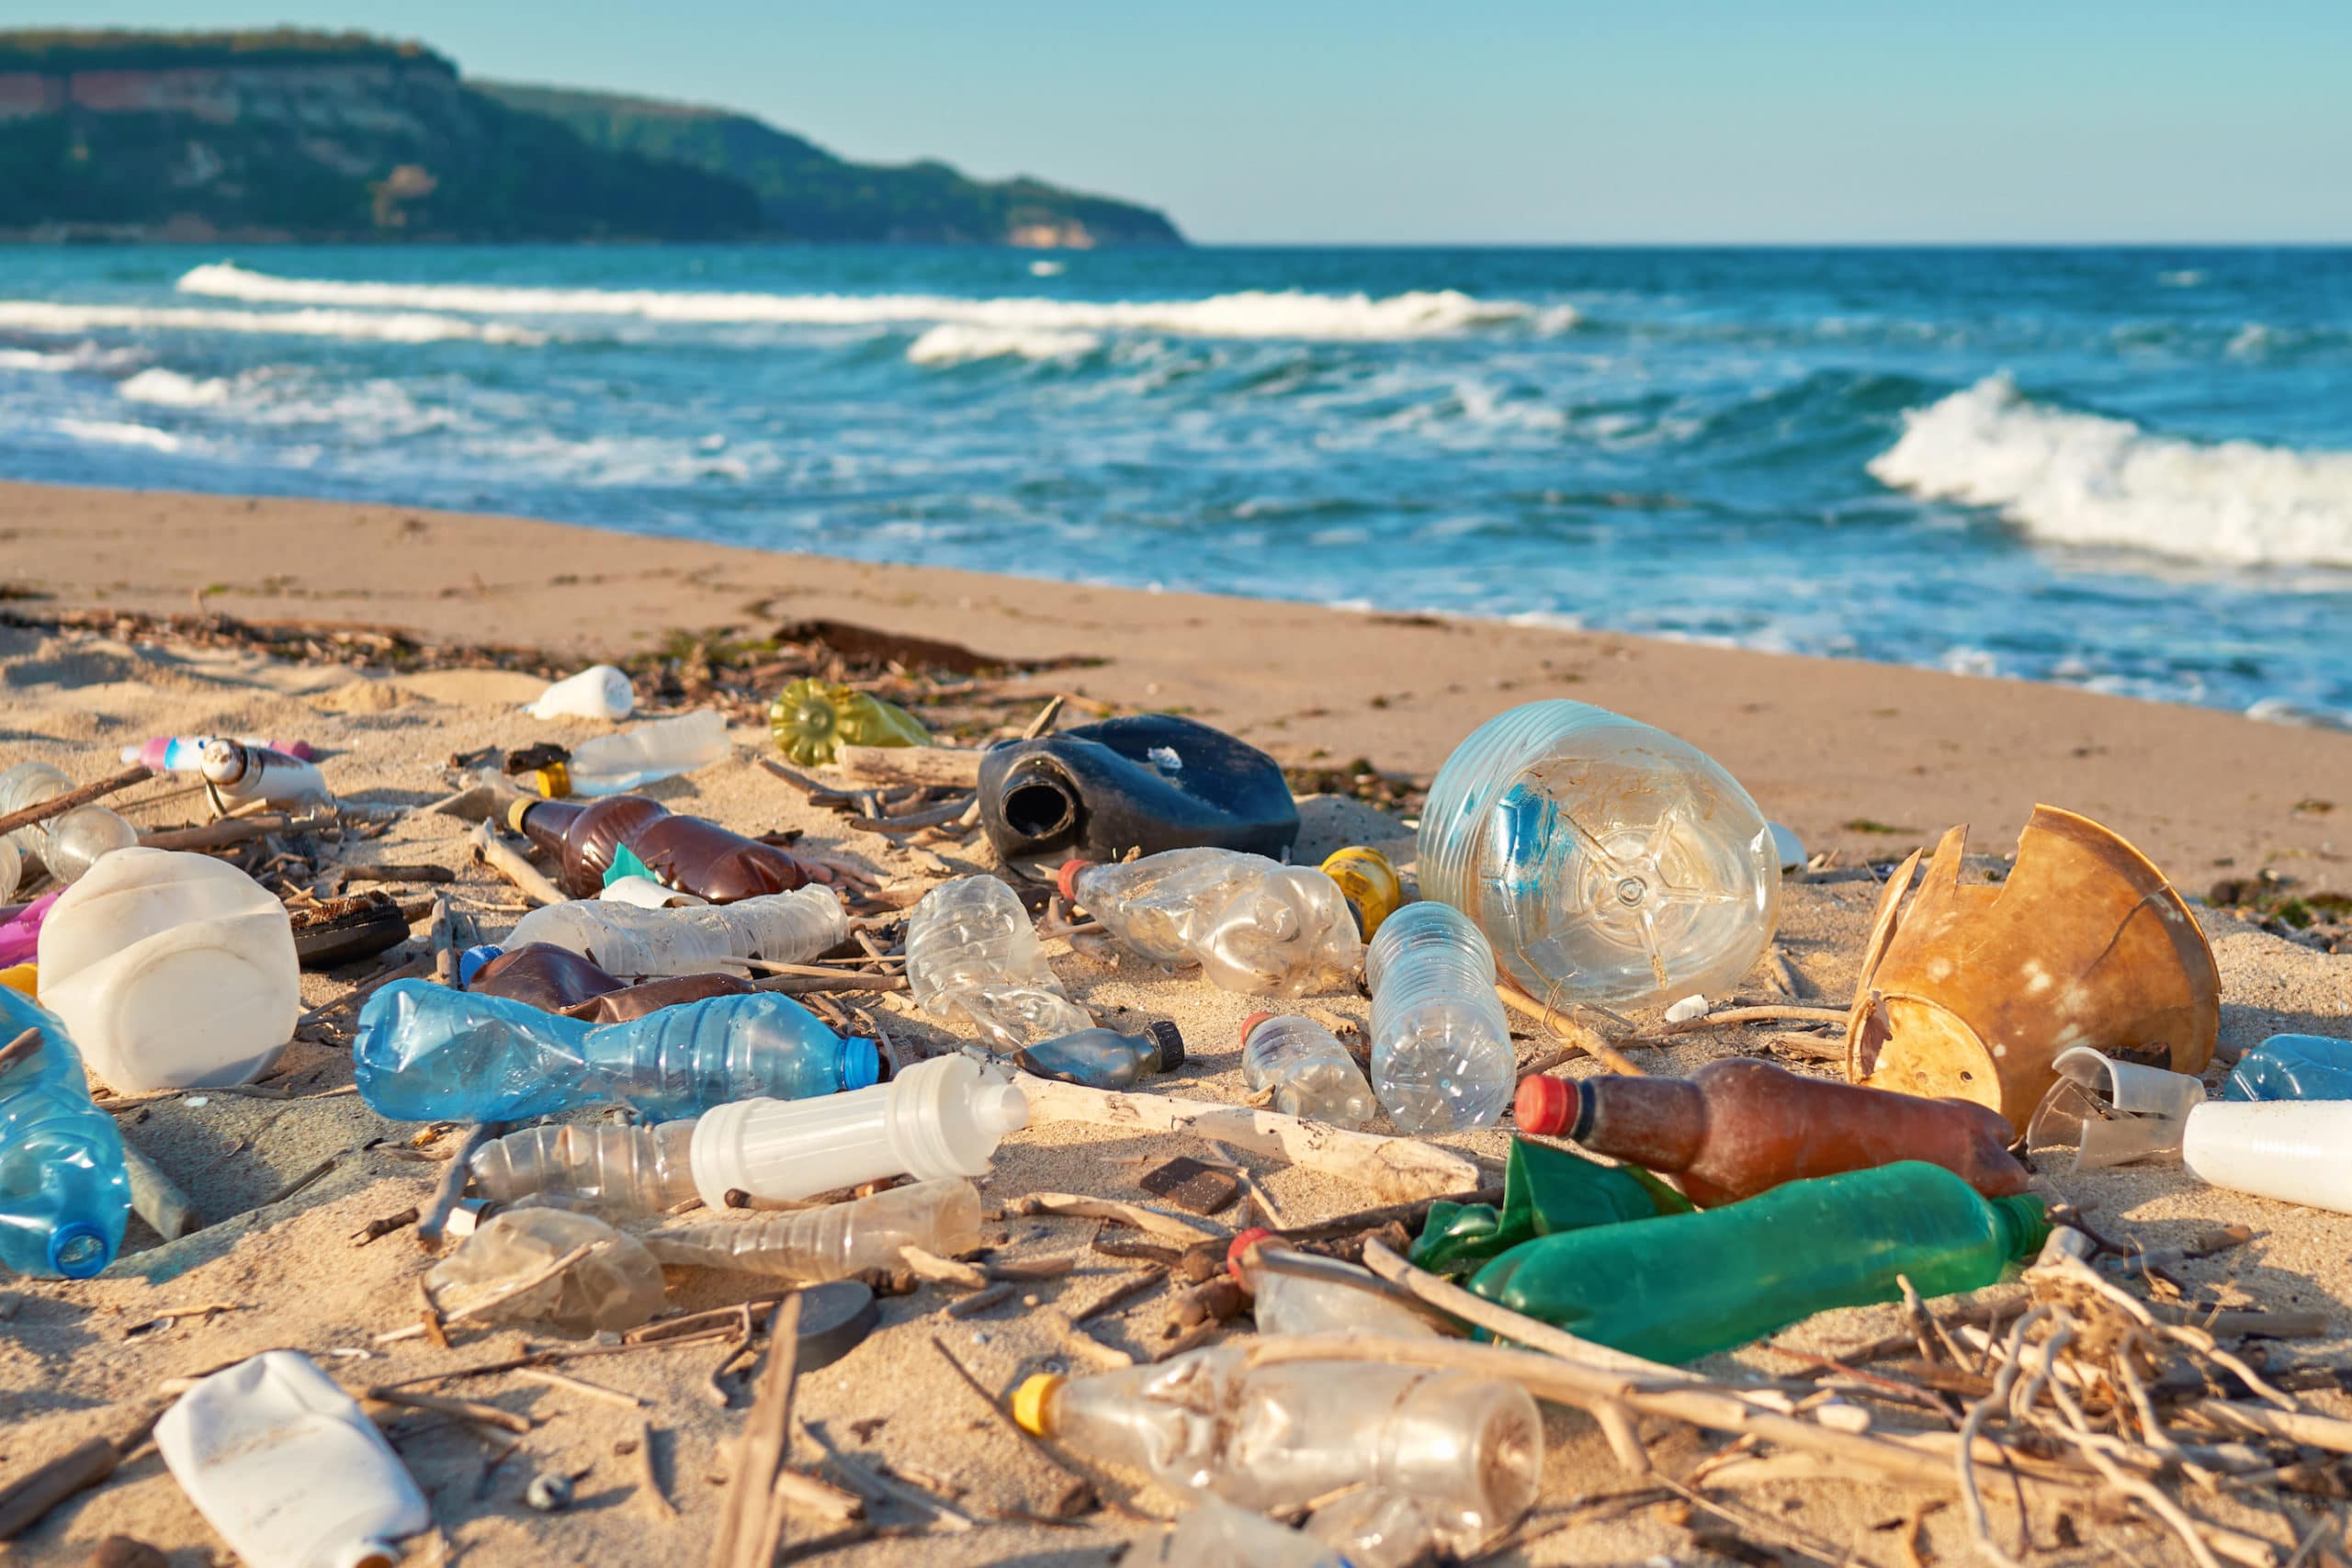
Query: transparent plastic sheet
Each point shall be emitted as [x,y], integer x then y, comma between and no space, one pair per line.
[616,1286]
[2111,1112]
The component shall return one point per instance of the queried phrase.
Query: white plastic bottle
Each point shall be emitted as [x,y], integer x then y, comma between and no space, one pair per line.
[1441,1057]
[1310,1072]
[244,773]
[1250,924]
[170,971]
[80,838]
[972,950]
[1294,1303]
[622,938]
[2293,1150]
[1468,1450]
[1605,859]
[832,1242]
[664,747]
[279,1459]
[598,691]
[937,1118]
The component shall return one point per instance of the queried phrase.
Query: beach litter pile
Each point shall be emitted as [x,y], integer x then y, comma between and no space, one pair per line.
[660,1085]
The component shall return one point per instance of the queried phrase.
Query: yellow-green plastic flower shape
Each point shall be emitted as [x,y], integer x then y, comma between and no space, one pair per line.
[812,721]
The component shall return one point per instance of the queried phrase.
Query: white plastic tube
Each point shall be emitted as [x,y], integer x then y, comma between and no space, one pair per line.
[2293,1150]
[598,691]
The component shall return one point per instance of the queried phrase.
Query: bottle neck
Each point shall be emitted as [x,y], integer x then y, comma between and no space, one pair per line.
[2025,1221]
[545,822]
[1656,1122]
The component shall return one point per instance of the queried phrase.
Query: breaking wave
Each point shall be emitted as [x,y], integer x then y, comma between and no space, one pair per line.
[1251,313]
[169,389]
[114,433]
[953,343]
[2082,478]
[42,316]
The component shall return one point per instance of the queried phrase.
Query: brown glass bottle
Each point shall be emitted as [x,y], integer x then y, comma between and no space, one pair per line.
[685,853]
[1738,1126]
[559,980]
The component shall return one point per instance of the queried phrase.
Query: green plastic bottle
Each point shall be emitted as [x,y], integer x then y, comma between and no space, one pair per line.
[1682,1286]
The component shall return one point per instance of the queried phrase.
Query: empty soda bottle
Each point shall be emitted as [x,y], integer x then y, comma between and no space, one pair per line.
[1468,1450]
[640,755]
[1441,1057]
[618,1171]
[2293,1067]
[1250,924]
[1605,859]
[1310,1072]
[423,1052]
[617,1285]
[1104,1058]
[1682,1286]
[65,1196]
[972,952]
[812,720]
[1296,1303]
[621,939]
[1737,1126]
[815,1245]
[687,853]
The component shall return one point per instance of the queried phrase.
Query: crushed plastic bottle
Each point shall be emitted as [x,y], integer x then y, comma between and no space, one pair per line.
[1310,1072]
[1296,1303]
[972,952]
[643,754]
[623,940]
[280,1461]
[172,971]
[246,774]
[1250,923]
[82,837]
[2106,1112]
[616,1171]
[813,719]
[1104,1058]
[689,855]
[808,1248]
[2293,1067]
[616,1286]
[555,979]
[64,1195]
[423,1052]
[1737,1126]
[1682,1286]
[1441,1057]
[1545,1190]
[1468,1450]
[598,691]
[1606,861]
[1213,1534]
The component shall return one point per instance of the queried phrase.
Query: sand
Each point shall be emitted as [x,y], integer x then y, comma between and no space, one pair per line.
[1821,744]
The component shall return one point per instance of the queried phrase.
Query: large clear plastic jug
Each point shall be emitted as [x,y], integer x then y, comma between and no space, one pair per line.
[1605,859]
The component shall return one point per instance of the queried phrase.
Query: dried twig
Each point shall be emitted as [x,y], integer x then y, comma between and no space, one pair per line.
[1581,1041]
[751,1523]
[493,851]
[453,1184]
[57,805]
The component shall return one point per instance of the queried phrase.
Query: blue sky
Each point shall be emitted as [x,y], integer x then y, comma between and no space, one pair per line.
[1494,121]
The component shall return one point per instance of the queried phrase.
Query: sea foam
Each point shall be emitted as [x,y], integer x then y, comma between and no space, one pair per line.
[953,343]
[114,433]
[2082,478]
[1251,313]
[44,316]
[169,389]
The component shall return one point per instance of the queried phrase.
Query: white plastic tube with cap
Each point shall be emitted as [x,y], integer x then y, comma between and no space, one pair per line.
[938,1118]
[2293,1150]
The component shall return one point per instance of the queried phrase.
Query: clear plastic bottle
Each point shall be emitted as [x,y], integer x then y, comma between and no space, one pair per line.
[972,950]
[832,1242]
[26,784]
[2291,1150]
[1441,1057]
[615,764]
[1250,924]
[1295,1303]
[1310,1072]
[1469,1450]
[624,939]
[425,1051]
[82,837]
[12,869]
[64,1195]
[616,1286]
[1605,859]
[1218,1534]
[618,1171]
[243,773]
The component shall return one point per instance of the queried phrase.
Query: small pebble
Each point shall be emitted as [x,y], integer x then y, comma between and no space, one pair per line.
[549,1493]
[1686,1010]
[122,1551]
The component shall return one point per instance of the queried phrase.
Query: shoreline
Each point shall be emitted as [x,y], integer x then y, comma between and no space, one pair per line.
[1868,759]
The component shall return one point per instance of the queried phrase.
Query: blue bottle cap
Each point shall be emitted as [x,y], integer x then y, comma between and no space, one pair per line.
[861,1064]
[470,962]
[78,1250]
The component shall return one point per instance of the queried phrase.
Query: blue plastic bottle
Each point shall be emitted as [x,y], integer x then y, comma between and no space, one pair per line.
[64,1195]
[2293,1067]
[425,1053]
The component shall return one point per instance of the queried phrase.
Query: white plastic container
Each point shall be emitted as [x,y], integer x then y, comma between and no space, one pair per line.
[614,764]
[280,1461]
[170,971]
[782,928]
[2293,1150]
[598,691]
[937,1118]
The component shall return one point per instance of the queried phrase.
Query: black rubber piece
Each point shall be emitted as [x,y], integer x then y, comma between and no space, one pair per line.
[1097,792]
[835,1318]
[1170,1041]
[353,937]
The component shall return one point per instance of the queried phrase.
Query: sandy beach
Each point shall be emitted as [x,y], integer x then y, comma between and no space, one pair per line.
[1866,761]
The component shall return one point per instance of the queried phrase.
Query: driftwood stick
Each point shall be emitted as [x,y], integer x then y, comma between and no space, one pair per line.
[1730,1016]
[911,764]
[217,835]
[25,1043]
[1397,1169]
[448,1404]
[814,985]
[1157,1221]
[25,1501]
[493,851]
[453,1184]
[914,821]
[751,1523]
[60,804]
[441,944]
[347,874]
[1581,1041]
[156,1198]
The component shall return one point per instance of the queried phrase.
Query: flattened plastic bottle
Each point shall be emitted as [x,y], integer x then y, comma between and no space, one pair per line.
[1441,1057]
[646,753]
[65,1196]
[423,1052]
[832,1242]
[621,939]
[1605,859]
[972,950]
[1310,1072]
[1250,924]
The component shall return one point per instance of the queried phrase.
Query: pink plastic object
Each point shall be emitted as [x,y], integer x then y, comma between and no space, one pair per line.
[185,753]
[20,936]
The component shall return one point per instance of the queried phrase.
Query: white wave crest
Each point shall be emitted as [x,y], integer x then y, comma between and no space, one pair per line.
[1251,313]
[953,342]
[2080,478]
[81,356]
[169,389]
[44,316]
[114,433]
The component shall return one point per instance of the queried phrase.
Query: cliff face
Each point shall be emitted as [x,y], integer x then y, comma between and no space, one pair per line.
[304,136]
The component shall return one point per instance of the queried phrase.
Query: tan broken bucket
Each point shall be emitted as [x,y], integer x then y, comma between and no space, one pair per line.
[1972,992]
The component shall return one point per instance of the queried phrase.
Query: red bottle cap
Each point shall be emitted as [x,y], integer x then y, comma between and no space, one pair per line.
[1067,880]
[1252,1022]
[1239,1248]
[1544,1105]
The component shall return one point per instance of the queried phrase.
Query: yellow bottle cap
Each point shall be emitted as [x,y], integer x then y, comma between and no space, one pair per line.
[1029,1402]
[20,977]
[1370,884]
[514,809]
[554,782]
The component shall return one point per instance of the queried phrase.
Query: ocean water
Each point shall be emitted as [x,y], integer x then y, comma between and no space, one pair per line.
[2126,470]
